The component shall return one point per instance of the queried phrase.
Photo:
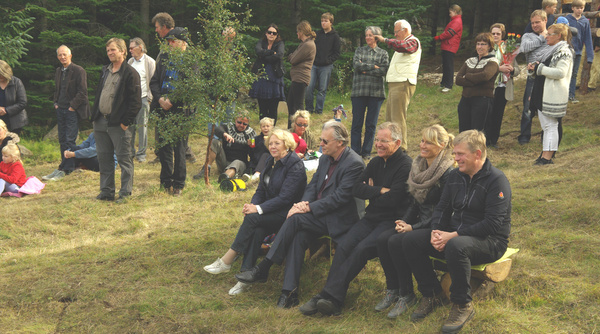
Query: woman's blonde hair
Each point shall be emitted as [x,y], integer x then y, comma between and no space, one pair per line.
[437,135]
[3,126]
[5,70]
[285,136]
[561,29]
[13,151]
[300,113]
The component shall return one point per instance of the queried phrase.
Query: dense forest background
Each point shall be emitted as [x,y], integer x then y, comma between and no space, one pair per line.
[85,25]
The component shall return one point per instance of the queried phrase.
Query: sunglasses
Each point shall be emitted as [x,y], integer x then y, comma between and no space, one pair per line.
[305,125]
[324,141]
[240,123]
[274,33]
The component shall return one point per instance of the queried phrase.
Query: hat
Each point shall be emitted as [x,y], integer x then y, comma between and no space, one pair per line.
[562,20]
[178,33]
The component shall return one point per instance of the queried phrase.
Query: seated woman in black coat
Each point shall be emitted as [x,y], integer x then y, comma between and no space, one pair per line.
[7,137]
[282,184]
[426,181]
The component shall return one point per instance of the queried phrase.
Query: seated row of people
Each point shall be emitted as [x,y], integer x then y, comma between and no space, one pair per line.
[417,209]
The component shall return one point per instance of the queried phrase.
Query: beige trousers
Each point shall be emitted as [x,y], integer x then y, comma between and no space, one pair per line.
[399,94]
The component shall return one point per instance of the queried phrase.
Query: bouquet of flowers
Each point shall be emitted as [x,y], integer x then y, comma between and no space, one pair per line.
[511,50]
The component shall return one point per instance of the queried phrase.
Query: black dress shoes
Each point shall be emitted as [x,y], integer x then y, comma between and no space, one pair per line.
[329,307]
[253,275]
[310,307]
[288,300]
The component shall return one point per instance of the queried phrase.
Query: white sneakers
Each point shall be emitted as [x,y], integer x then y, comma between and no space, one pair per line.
[217,267]
[445,90]
[238,288]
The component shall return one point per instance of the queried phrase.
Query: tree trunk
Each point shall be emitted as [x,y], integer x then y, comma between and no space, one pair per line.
[434,19]
[145,19]
[296,11]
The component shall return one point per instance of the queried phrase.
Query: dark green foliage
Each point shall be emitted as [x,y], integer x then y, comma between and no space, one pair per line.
[14,34]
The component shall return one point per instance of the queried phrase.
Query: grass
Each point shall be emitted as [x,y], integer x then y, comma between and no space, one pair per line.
[70,264]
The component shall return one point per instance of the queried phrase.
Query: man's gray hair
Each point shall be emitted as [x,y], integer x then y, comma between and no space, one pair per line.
[140,42]
[63,46]
[404,25]
[374,29]
[340,133]
[394,128]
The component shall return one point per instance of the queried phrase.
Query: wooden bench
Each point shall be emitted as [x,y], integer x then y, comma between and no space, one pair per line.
[483,276]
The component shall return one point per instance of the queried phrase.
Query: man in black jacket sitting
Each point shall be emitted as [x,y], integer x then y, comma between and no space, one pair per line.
[470,226]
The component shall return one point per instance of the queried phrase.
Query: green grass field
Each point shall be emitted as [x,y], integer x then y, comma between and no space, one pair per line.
[71,264]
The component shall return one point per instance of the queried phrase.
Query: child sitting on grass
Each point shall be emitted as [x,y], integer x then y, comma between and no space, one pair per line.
[12,174]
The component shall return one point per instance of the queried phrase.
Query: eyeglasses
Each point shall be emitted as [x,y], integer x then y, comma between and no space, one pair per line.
[305,125]
[240,123]
[133,47]
[553,34]
[482,44]
[269,32]
[324,141]
[383,141]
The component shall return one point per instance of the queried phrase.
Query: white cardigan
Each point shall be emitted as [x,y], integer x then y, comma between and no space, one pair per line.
[556,85]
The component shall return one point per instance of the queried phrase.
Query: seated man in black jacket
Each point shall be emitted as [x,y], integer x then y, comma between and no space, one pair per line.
[470,226]
[383,183]
[233,149]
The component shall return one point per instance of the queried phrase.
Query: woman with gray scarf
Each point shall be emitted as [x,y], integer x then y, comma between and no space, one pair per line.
[549,97]
[426,181]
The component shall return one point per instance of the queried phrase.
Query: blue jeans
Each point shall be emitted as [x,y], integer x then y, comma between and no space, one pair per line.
[67,134]
[319,77]
[527,115]
[359,105]
[576,62]
[141,124]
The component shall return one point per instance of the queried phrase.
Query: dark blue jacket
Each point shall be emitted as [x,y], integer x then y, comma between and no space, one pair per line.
[478,207]
[128,96]
[286,184]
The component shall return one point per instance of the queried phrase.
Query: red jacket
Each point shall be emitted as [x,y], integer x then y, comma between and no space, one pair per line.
[13,173]
[451,36]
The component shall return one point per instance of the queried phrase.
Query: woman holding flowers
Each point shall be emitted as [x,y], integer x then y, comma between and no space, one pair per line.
[504,86]
[550,94]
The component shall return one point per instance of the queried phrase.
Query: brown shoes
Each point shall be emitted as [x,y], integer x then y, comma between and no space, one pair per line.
[458,317]
[427,305]
[177,192]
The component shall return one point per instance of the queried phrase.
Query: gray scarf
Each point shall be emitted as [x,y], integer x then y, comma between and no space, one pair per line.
[422,178]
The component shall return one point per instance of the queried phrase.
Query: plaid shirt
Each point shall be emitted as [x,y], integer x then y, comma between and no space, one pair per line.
[367,80]
[408,45]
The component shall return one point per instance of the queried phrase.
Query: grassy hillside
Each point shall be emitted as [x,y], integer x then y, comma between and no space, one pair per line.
[71,264]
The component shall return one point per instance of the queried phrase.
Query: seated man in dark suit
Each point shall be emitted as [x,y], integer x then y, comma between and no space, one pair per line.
[327,207]
[383,183]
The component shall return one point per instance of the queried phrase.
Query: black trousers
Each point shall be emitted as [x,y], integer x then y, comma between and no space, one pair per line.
[473,112]
[351,255]
[295,99]
[460,253]
[494,121]
[447,69]
[397,271]
[268,108]
[253,230]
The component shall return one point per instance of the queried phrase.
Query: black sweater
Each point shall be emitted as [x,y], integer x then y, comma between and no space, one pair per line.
[328,47]
[478,207]
[391,174]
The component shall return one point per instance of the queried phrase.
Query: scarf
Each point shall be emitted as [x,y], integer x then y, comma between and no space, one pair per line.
[422,178]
